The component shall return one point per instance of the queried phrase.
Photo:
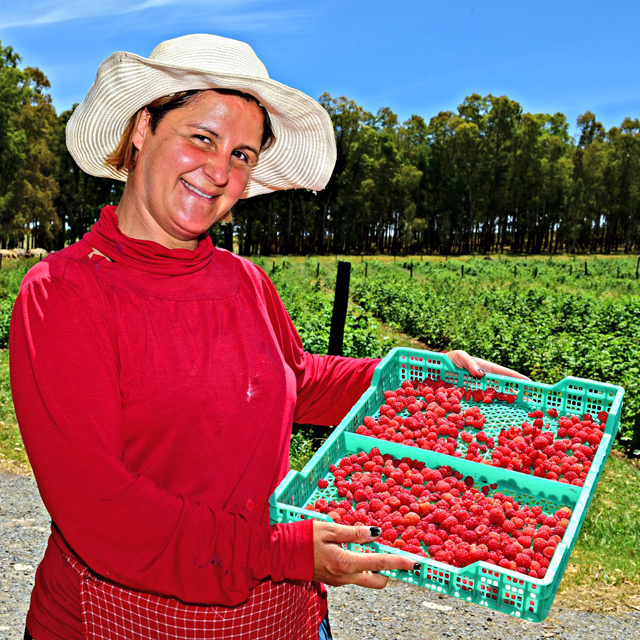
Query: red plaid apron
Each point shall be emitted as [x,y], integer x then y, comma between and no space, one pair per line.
[282,611]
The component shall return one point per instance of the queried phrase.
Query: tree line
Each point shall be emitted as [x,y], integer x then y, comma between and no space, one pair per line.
[487,177]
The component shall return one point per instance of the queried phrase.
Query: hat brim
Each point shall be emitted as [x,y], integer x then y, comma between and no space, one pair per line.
[302,155]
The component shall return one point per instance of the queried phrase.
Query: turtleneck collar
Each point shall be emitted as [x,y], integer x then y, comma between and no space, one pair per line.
[147,267]
[145,255]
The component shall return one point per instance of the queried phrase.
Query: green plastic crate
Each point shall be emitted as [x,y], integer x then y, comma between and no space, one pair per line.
[482,583]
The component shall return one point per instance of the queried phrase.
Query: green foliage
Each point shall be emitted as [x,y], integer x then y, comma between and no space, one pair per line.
[310,307]
[536,326]
[11,276]
[28,123]
[11,446]
[305,441]
[6,307]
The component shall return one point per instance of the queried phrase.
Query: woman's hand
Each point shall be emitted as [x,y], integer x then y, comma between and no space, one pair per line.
[335,566]
[479,367]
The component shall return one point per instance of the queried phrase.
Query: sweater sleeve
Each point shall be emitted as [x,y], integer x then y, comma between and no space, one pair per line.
[327,386]
[65,385]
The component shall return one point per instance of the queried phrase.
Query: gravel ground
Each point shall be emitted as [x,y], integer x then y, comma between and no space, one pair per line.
[401,611]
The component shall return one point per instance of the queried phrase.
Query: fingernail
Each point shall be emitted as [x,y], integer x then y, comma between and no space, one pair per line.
[481,370]
[375,531]
[417,566]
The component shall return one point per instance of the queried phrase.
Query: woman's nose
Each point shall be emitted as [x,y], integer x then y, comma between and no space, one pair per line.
[217,169]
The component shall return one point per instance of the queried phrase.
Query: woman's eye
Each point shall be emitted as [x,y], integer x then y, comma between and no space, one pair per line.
[241,156]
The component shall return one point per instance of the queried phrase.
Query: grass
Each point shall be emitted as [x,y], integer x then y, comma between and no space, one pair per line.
[613,523]
[604,570]
[12,453]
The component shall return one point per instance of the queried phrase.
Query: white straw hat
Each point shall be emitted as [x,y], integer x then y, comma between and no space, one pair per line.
[302,155]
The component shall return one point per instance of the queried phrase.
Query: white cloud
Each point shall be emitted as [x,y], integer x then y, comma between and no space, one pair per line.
[45,12]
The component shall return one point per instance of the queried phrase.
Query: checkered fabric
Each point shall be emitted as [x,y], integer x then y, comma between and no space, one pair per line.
[283,611]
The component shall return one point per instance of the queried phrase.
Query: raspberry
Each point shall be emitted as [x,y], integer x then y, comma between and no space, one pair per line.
[390,535]
[539,544]
[412,518]
[413,548]
[322,483]
[439,516]
[540,443]
[462,556]
[508,527]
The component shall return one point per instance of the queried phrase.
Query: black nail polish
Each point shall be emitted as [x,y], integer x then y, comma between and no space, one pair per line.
[417,566]
[481,370]
[375,531]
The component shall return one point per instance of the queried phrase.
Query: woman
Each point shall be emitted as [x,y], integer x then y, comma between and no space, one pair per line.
[156,378]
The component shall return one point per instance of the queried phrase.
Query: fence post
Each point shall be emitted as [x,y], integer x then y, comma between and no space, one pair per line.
[535,272]
[570,269]
[586,271]
[273,268]
[462,271]
[317,270]
[618,271]
[411,270]
[515,270]
[340,304]
[638,268]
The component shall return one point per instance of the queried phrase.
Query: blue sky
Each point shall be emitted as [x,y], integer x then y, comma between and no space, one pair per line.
[414,56]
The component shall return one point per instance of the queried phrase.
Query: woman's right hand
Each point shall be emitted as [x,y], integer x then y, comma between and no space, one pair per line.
[336,566]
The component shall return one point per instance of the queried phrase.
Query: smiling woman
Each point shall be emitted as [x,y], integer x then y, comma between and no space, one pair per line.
[156,378]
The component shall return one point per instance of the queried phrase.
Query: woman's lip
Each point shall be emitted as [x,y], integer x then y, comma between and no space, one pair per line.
[197,191]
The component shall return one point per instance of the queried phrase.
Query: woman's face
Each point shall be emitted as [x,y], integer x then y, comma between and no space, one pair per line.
[196,165]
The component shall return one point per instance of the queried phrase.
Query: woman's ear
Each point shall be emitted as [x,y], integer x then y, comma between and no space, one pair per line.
[143,129]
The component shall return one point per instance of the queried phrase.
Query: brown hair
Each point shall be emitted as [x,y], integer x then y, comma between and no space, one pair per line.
[124,155]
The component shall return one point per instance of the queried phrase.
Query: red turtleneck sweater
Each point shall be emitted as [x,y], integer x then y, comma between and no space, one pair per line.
[155,390]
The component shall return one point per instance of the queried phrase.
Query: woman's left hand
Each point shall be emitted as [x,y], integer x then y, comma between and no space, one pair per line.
[478,367]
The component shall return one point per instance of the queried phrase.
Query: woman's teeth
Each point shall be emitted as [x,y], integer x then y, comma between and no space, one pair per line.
[186,184]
